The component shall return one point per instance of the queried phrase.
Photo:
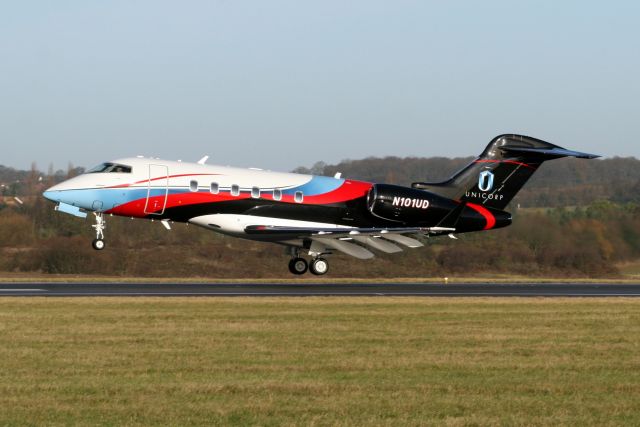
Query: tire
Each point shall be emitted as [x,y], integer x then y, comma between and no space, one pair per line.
[298,266]
[98,244]
[319,266]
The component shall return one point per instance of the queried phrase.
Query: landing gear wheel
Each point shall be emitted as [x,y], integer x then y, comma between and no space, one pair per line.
[298,266]
[319,266]
[98,244]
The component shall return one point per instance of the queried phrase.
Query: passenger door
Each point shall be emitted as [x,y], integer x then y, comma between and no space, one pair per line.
[157,189]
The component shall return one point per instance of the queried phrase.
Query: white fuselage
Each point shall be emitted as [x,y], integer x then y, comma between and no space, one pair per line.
[220,198]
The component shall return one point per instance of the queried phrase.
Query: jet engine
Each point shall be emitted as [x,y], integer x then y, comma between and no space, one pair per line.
[407,205]
[411,206]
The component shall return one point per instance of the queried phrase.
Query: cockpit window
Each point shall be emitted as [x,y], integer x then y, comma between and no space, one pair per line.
[110,168]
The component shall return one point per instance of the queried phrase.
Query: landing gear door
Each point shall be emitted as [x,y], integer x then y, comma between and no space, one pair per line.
[157,189]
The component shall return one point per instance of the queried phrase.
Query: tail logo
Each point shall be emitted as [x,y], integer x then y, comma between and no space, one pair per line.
[485,180]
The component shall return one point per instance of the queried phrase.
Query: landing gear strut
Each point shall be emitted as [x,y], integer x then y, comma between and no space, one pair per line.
[98,243]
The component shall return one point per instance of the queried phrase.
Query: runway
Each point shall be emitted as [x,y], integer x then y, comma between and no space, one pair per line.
[320,289]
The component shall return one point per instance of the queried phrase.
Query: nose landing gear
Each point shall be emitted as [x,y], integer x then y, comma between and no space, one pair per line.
[98,243]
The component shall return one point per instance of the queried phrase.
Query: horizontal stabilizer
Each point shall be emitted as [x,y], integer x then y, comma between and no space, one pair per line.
[548,153]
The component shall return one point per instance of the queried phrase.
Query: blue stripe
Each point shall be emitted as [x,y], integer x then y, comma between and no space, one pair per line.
[317,185]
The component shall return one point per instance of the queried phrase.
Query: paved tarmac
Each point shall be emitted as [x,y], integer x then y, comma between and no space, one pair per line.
[321,289]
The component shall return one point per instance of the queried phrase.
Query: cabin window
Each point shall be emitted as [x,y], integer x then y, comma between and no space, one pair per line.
[255,192]
[215,188]
[110,168]
[235,190]
[298,197]
[277,194]
[193,185]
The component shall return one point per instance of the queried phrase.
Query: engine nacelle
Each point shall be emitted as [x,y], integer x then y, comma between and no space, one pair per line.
[410,206]
[407,205]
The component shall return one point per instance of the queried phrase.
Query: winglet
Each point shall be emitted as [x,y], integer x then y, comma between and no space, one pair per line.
[203,160]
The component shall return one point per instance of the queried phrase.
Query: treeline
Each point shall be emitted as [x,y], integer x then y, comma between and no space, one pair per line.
[21,183]
[578,242]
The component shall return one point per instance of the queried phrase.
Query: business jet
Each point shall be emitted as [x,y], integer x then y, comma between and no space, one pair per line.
[310,215]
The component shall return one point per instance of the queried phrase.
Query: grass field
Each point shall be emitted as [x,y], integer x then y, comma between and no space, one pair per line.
[319,361]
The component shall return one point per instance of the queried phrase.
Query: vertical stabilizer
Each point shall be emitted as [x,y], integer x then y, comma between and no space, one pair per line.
[496,176]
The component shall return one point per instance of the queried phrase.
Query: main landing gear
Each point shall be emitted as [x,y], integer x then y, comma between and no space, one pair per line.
[98,243]
[318,266]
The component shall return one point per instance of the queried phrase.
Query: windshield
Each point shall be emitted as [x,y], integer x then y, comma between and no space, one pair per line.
[109,168]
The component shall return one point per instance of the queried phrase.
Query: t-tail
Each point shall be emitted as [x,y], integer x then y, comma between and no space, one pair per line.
[496,176]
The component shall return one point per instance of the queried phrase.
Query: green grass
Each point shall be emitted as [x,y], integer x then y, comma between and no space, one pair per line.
[631,269]
[319,361]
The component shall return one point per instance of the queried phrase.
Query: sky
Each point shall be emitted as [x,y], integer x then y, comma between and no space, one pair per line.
[280,84]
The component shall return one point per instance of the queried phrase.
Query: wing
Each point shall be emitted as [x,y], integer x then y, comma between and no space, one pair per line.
[351,240]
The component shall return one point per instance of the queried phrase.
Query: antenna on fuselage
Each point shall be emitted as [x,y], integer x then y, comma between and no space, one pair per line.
[203,160]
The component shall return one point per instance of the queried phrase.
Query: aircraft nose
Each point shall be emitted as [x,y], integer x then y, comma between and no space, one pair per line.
[52,194]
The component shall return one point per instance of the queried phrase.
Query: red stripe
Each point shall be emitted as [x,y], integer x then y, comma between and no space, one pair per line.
[349,190]
[513,162]
[488,216]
